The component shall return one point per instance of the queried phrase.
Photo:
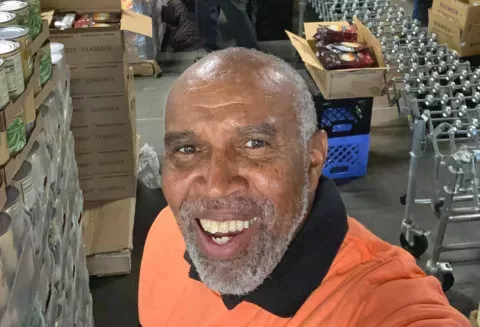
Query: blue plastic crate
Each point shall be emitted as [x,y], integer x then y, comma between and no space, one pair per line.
[347,156]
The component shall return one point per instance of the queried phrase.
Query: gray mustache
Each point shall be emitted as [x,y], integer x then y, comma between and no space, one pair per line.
[233,203]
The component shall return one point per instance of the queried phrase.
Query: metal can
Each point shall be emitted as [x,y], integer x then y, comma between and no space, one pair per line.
[23,181]
[7,19]
[10,53]
[57,47]
[38,158]
[20,34]
[4,98]
[19,8]
[35,26]
[4,290]
[14,208]
[45,55]
[8,252]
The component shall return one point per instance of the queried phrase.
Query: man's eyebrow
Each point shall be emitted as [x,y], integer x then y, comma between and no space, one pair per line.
[172,137]
[265,128]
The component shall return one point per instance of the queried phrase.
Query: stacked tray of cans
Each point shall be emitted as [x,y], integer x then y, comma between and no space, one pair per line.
[20,25]
[43,275]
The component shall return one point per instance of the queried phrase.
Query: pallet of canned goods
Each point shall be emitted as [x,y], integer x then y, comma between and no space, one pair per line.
[28,14]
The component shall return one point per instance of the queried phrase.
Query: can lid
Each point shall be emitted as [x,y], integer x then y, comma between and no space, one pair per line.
[56,57]
[8,46]
[12,32]
[6,16]
[56,47]
[23,172]
[12,5]
[5,223]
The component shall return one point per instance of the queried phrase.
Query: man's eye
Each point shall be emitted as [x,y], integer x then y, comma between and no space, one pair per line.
[188,149]
[255,144]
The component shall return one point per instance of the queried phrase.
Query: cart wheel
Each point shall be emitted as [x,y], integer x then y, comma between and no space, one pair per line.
[447,280]
[420,245]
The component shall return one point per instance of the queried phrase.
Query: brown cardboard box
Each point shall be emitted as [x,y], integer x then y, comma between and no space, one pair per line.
[100,108]
[107,236]
[347,83]
[95,45]
[474,319]
[98,162]
[456,23]
[108,187]
[103,136]
[464,12]
[98,78]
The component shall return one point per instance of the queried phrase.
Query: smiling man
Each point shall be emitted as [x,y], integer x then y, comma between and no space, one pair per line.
[253,234]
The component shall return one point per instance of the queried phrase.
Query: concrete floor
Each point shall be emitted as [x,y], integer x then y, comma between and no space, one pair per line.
[372,199]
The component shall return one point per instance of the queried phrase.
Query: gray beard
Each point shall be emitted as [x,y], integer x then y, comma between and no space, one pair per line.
[245,273]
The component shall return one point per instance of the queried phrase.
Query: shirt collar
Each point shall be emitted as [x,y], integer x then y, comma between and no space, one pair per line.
[307,260]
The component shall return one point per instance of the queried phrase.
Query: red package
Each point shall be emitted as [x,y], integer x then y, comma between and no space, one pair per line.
[327,34]
[333,59]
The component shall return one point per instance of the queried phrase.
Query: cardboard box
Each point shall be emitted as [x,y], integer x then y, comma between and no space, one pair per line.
[98,78]
[100,108]
[107,236]
[108,187]
[95,45]
[464,12]
[474,319]
[98,162]
[347,83]
[460,35]
[103,136]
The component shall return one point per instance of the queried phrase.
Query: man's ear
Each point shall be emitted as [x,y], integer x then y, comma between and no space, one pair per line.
[317,150]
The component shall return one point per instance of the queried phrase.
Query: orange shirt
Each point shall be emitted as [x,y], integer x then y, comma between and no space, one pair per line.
[370,283]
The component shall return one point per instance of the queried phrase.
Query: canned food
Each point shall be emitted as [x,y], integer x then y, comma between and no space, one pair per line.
[8,253]
[20,34]
[10,53]
[45,63]
[19,8]
[14,208]
[4,290]
[56,47]
[35,19]
[38,158]
[4,98]
[24,183]
[7,19]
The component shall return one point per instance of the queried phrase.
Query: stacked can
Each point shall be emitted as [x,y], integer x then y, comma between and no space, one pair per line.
[28,14]
[40,230]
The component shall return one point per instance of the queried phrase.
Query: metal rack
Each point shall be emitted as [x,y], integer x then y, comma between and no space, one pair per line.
[440,95]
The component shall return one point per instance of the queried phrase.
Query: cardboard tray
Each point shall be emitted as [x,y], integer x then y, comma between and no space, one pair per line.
[347,83]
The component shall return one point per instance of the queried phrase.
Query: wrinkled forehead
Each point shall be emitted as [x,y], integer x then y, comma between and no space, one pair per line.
[249,88]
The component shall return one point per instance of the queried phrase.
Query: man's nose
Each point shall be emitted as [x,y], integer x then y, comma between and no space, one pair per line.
[222,177]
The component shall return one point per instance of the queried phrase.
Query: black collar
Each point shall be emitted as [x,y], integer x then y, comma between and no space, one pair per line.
[306,262]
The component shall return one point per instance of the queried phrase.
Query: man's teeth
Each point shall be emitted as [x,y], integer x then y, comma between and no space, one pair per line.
[213,227]
[221,240]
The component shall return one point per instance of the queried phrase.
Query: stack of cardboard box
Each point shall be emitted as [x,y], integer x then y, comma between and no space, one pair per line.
[456,23]
[103,123]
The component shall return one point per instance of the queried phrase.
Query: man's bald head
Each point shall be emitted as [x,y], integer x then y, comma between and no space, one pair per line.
[238,68]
